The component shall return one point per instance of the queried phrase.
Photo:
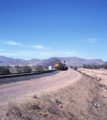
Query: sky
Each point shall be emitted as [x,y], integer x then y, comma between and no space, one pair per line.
[40,29]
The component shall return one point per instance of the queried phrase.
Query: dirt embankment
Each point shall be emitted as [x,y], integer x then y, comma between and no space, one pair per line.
[82,100]
[98,74]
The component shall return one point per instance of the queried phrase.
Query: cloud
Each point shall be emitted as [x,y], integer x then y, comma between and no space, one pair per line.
[39,51]
[67,53]
[12,43]
[19,44]
[38,47]
[92,40]
[30,54]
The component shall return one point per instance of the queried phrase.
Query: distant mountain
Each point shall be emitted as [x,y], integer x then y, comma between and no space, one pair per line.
[12,61]
[74,61]
[70,61]
[50,61]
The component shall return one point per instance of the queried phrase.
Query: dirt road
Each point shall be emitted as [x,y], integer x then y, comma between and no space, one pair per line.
[45,83]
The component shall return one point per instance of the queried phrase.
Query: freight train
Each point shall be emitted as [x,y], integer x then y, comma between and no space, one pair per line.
[61,66]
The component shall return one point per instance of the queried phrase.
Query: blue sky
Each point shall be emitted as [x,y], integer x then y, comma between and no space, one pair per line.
[53,28]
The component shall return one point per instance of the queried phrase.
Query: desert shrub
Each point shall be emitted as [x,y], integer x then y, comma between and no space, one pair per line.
[105,65]
[71,67]
[56,100]
[39,68]
[35,96]
[18,68]
[94,66]
[4,70]
[46,67]
[75,68]
[27,69]
[8,66]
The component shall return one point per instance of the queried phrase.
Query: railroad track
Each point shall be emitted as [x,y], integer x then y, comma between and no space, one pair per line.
[25,74]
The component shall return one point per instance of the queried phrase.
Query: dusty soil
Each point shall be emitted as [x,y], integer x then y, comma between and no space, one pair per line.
[98,74]
[67,95]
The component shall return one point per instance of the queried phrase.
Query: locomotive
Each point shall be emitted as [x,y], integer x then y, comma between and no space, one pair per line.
[60,66]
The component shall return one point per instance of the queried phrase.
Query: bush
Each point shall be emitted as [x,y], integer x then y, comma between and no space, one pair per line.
[46,67]
[56,100]
[27,69]
[94,66]
[4,70]
[71,67]
[21,69]
[18,69]
[75,68]
[35,96]
[39,68]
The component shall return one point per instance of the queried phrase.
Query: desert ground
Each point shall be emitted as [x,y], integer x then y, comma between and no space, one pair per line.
[98,74]
[61,95]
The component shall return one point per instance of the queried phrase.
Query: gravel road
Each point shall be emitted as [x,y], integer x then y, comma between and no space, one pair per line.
[49,82]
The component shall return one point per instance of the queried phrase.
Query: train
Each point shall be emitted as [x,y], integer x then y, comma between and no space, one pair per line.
[60,66]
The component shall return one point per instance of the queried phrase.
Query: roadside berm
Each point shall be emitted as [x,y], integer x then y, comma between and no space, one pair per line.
[84,100]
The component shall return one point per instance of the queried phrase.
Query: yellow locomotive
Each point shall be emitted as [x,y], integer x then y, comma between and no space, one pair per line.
[60,66]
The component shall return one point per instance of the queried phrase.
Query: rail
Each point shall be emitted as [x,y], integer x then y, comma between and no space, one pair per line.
[25,74]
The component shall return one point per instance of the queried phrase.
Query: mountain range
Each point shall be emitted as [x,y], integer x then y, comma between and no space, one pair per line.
[70,61]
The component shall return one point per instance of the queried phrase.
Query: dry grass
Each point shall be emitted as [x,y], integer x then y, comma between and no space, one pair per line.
[86,100]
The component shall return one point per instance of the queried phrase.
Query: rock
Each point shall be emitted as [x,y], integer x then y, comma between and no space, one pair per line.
[95,105]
